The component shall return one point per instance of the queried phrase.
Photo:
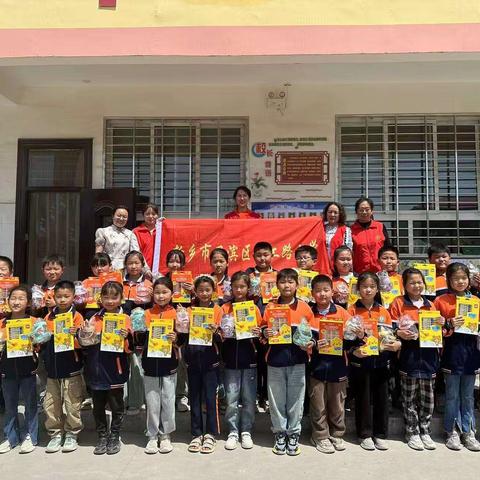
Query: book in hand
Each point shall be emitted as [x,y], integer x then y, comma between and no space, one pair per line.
[304,290]
[429,331]
[201,320]
[371,346]
[278,320]
[180,294]
[245,319]
[331,330]
[268,286]
[112,340]
[63,340]
[429,273]
[468,308]
[159,345]
[19,342]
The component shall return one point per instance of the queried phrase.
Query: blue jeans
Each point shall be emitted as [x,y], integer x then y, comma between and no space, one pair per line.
[12,389]
[240,387]
[459,403]
[286,392]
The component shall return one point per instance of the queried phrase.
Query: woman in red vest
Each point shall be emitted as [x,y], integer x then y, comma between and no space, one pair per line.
[336,232]
[242,197]
[146,233]
[368,236]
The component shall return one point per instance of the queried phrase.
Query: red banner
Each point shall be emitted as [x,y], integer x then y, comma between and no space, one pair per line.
[197,238]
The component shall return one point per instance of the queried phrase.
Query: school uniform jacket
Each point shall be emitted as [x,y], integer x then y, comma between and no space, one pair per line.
[157,367]
[381,316]
[15,368]
[239,354]
[62,364]
[415,361]
[288,355]
[330,368]
[107,370]
[460,355]
[368,239]
[130,293]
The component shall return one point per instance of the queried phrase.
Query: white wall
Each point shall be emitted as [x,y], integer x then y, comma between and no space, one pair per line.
[79,113]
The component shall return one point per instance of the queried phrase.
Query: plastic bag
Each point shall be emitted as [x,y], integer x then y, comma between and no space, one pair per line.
[228,326]
[87,335]
[340,295]
[38,299]
[255,286]
[40,333]
[385,282]
[137,318]
[406,322]
[81,294]
[474,270]
[182,321]
[227,290]
[143,294]
[303,333]
[353,323]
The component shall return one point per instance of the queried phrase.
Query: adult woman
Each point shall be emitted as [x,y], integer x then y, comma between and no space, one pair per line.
[116,240]
[146,233]
[336,232]
[242,197]
[368,236]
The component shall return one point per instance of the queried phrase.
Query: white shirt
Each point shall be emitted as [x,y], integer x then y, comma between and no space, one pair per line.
[117,242]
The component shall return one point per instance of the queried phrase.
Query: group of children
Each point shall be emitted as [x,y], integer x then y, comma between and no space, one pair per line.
[337,337]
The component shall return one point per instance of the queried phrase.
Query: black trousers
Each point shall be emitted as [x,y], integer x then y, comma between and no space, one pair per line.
[203,384]
[114,398]
[262,370]
[371,401]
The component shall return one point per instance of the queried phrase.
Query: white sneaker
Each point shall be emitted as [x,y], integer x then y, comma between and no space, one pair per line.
[183,405]
[470,442]
[246,439]
[5,447]
[453,441]
[367,444]
[427,441]
[152,447]
[165,444]
[415,442]
[325,446]
[338,444]
[380,443]
[27,446]
[55,444]
[231,443]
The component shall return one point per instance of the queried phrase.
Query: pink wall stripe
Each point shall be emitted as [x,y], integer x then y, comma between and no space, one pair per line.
[224,41]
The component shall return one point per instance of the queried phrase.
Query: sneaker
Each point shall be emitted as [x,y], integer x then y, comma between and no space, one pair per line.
[183,405]
[246,439]
[415,442]
[280,447]
[5,447]
[453,441]
[338,444]
[55,444]
[165,444]
[470,442]
[231,443]
[427,441]
[113,444]
[152,447]
[70,444]
[380,443]
[293,448]
[367,443]
[27,446]
[324,446]
[101,446]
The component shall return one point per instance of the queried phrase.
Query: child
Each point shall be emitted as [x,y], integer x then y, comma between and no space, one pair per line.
[219,263]
[460,363]
[306,257]
[6,267]
[53,267]
[439,255]
[65,384]
[329,374]
[202,369]
[370,374]
[417,366]
[18,379]
[101,263]
[240,360]
[107,373]
[286,369]
[176,261]
[388,258]
[160,374]
[342,274]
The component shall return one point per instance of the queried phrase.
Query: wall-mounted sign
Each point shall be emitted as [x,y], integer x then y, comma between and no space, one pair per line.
[302,168]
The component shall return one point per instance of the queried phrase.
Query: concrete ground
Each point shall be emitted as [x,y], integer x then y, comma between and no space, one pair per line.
[131,463]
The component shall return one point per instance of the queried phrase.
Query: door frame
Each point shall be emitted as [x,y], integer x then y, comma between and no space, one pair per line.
[23,190]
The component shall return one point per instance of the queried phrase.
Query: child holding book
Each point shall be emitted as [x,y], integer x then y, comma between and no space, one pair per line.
[18,378]
[329,372]
[460,361]
[417,365]
[286,366]
[202,362]
[370,366]
[342,274]
[160,373]
[65,390]
[219,264]
[240,360]
[107,368]
[439,255]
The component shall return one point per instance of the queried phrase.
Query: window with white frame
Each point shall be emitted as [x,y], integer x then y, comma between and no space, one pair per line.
[422,173]
[189,168]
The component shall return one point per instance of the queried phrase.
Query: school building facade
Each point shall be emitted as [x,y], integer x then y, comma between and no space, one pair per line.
[106,102]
